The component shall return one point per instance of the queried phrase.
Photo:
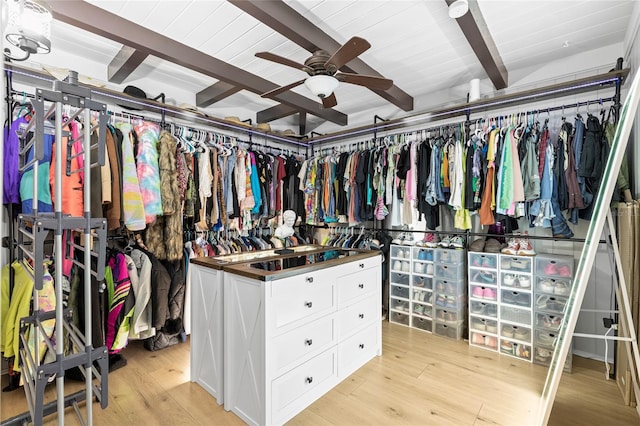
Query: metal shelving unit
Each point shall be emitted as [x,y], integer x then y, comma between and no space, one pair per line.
[72,347]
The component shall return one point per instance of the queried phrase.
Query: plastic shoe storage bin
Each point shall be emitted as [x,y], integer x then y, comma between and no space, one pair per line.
[399,318]
[422,282]
[515,349]
[515,298]
[449,316]
[483,340]
[516,281]
[515,264]
[450,331]
[545,338]
[481,292]
[515,332]
[554,267]
[422,310]
[453,288]
[480,276]
[399,305]
[517,315]
[422,323]
[449,272]
[550,304]
[400,252]
[449,256]
[548,321]
[423,254]
[483,325]
[399,278]
[553,286]
[397,291]
[483,260]
[422,296]
[447,301]
[484,309]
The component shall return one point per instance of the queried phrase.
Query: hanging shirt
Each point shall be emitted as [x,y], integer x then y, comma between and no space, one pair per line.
[11,190]
[132,204]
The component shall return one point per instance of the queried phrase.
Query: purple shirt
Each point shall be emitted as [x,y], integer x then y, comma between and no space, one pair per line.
[11,190]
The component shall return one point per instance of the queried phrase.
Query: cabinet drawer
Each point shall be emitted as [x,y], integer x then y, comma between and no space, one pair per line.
[483,260]
[357,350]
[354,285]
[304,341]
[303,379]
[299,297]
[357,316]
[363,264]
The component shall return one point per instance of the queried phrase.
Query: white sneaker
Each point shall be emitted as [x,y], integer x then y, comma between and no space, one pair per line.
[457,242]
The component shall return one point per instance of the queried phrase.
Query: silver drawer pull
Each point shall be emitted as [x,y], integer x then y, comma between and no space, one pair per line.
[361,316]
[361,345]
[308,304]
[309,379]
[361,266]
[360,285]
[309,279]
[308,342]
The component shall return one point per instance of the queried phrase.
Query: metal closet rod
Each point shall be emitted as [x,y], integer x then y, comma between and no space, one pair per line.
[467,233]
[36,78]
[134,116]
[582,85]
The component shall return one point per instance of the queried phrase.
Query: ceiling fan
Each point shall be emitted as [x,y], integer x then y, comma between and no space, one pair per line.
[323,72]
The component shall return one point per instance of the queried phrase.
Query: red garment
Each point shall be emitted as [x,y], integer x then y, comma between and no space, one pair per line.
[280,174]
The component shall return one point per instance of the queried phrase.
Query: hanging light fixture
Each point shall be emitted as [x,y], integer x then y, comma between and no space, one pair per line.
[28,28]
[458,8]
[321,85]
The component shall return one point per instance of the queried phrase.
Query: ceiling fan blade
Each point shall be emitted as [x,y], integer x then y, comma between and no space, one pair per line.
[282,60]
[278,90]
[330,101]
[369,81]
[348,51]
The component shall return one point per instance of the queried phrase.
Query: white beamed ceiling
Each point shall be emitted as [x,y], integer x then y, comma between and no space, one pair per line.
[414,43]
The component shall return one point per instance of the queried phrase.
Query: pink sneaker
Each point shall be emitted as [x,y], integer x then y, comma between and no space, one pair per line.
[491,341]
[478,292]
[551,268]
[489,293]
[564,271]
[431,240]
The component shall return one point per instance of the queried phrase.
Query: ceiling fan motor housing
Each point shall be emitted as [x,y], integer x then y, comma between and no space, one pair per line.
[317,63]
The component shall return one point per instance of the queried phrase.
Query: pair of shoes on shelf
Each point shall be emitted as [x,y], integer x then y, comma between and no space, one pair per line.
[487,293]
[561,288]
[519,246]
[452,242]
[482,340]
[521,281]
[552,268]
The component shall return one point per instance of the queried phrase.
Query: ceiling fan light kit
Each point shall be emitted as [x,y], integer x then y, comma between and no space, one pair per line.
[321,85]
[458,9]
[29,26]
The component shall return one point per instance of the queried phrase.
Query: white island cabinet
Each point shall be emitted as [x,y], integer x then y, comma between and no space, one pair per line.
[292,335]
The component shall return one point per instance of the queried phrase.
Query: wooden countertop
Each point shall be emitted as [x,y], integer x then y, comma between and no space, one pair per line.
[244,269]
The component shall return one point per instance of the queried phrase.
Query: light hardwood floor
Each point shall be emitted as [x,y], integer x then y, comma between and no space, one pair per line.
[420,380]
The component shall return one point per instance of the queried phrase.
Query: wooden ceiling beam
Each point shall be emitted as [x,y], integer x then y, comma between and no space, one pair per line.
[285,20]
[215,93]
[477,33]
[275,113]
[109,25]
[124,64]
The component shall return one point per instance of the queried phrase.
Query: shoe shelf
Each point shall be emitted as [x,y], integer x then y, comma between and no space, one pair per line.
[450,288]
[553,281]
[427,292]
[500,303]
